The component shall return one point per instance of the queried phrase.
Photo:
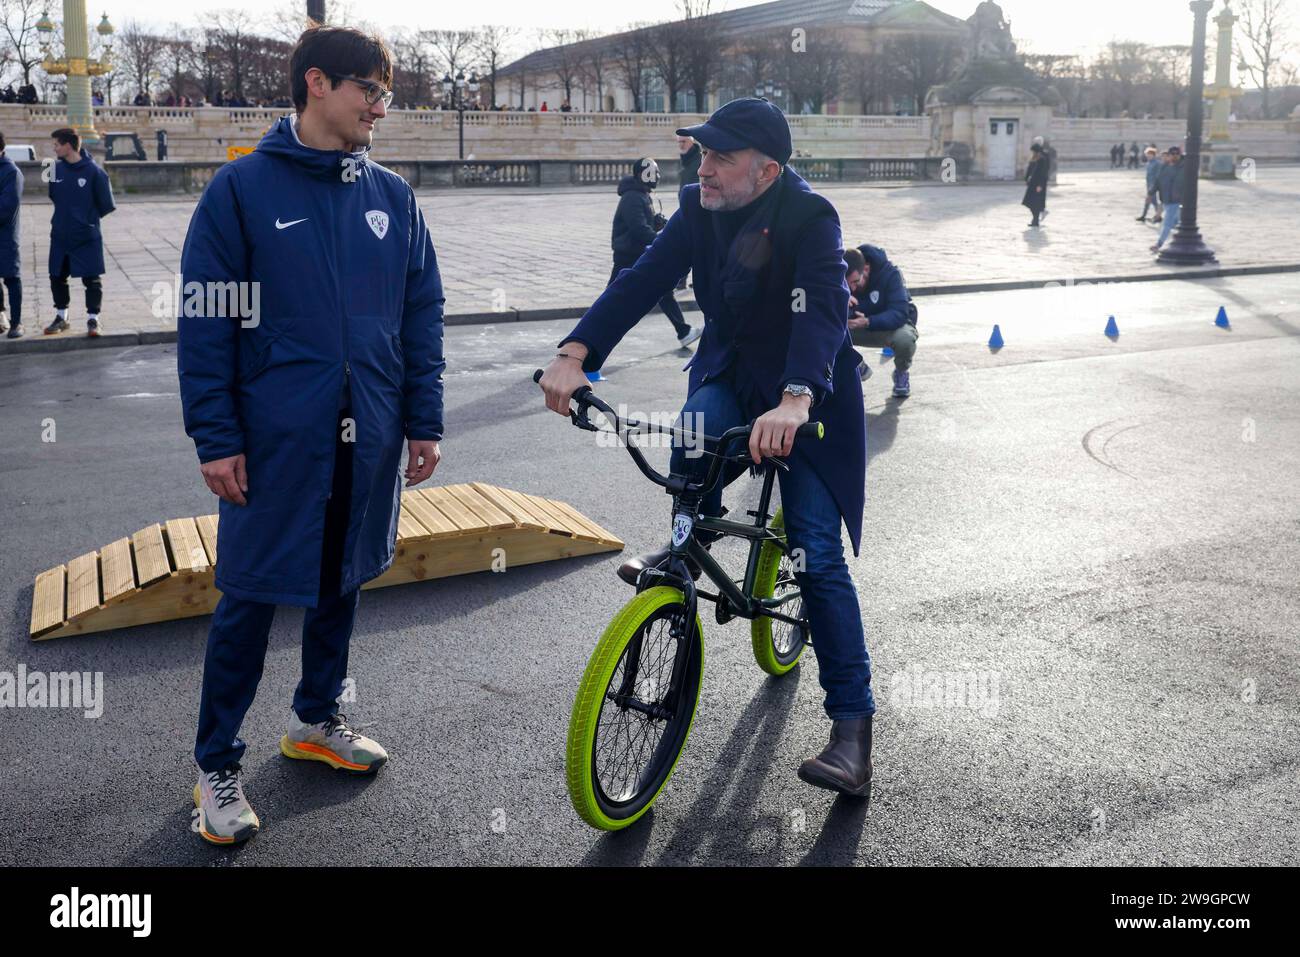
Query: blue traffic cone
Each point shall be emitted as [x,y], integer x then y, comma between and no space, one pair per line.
[995,340]
[1221,320]
[886,353]
[1112,330]
[596,377]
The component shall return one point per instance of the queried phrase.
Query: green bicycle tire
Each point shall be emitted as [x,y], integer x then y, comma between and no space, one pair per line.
[760,628]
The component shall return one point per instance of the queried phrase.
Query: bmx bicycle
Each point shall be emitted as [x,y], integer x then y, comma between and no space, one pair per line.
[636,702]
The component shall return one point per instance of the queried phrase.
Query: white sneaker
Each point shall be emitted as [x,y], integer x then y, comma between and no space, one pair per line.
[225,816]
[334,743]
[692,333]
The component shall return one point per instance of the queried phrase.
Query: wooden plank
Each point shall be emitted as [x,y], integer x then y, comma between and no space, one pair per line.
[151,562]
[522,505]
[561,522]
[208,532]
[83,584]
[491,516]
[447,503]
[172,598]
[188,553]
[408,529]
[116,570]
[498,497]
[429,516]
[47,600]
[591,527]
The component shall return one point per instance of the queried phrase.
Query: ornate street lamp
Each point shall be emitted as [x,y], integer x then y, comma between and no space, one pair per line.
[455,92]
[1186,248]
[76,63]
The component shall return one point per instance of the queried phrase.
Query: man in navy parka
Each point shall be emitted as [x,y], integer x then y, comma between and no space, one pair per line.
[82,196]
[768,261]
[299,405]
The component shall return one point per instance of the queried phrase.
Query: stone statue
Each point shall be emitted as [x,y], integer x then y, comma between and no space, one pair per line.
[991,34]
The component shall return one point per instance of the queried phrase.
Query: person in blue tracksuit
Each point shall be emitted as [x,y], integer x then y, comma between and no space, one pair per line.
[881,311]
[300,406]
[82,196]
[768,262]
[11,260]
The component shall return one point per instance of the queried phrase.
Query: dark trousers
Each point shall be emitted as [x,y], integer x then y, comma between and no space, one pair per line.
[668,304]
[59,288]
[15,286]
[238,637]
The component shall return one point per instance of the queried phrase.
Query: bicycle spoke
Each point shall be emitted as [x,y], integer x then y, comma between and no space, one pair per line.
[627,738]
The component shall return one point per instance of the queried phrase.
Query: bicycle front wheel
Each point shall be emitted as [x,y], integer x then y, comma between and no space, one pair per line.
[630,720]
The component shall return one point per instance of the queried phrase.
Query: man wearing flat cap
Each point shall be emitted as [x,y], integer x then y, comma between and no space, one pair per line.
[768,262]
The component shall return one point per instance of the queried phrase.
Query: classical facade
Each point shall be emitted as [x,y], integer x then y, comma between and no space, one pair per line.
[809,56]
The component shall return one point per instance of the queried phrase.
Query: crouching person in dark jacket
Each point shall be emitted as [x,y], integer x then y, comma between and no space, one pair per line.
[881,311]
[301,406]
[636,225]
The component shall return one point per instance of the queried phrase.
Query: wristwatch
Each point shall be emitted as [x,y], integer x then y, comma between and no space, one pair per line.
[795,388]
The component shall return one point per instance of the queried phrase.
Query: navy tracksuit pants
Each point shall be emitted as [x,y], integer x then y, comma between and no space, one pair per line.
[237,641]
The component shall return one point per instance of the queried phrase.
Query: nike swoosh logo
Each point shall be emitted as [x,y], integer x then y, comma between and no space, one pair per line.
[280,225]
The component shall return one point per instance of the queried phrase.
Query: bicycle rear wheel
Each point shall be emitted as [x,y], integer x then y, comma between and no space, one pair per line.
[629,721]
[778,645]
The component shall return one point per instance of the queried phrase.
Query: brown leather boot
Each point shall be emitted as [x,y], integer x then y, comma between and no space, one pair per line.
[845,763]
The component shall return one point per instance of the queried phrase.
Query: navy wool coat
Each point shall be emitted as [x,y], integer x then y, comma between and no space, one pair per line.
[785,320]
[82,196]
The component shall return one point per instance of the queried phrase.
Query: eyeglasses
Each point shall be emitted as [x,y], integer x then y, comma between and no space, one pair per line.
[374,92]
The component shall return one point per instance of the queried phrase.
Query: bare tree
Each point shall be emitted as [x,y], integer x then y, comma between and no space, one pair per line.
[919,61]
[814,70]
[141,54]
[567,58]
[22,42]
[231,39]
[668,46]
[633,58]
[701,38]
[453,50]
[177,61]
[1262,44]
[491,48]
[411,61]
[754,60]
[597,65]
[1173,65]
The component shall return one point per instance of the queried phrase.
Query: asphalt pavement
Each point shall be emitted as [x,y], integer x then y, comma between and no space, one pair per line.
[1095,539]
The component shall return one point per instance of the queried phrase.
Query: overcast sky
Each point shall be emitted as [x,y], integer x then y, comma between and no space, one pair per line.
[1043,26]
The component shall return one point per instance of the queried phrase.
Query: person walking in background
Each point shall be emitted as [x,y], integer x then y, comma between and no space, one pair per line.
[635,226]
[689,156]
[1153,169]
[1036,188]
[82,196]
[1133,155]
[11,260]
[1169,187]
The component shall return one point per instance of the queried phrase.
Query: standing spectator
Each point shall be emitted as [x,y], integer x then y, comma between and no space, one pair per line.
[300,419]
[82,196]
[1153,168]
[544,107]
[1169,187]
[635,226]
[1133,155]
[689,154]
[11,200]
[1036,190]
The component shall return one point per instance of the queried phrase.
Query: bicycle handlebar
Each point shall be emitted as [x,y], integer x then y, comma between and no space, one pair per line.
[586,398]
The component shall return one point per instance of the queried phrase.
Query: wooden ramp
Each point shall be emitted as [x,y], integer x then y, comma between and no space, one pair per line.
[165,571]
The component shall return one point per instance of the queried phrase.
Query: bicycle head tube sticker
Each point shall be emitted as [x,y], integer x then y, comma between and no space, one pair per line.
[682,525]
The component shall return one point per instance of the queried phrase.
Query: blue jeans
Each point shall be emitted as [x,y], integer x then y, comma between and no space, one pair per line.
[812,522]
[1170,221]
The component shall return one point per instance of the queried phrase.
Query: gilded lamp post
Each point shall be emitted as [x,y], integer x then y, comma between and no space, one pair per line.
[76,63]
[1220,161]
